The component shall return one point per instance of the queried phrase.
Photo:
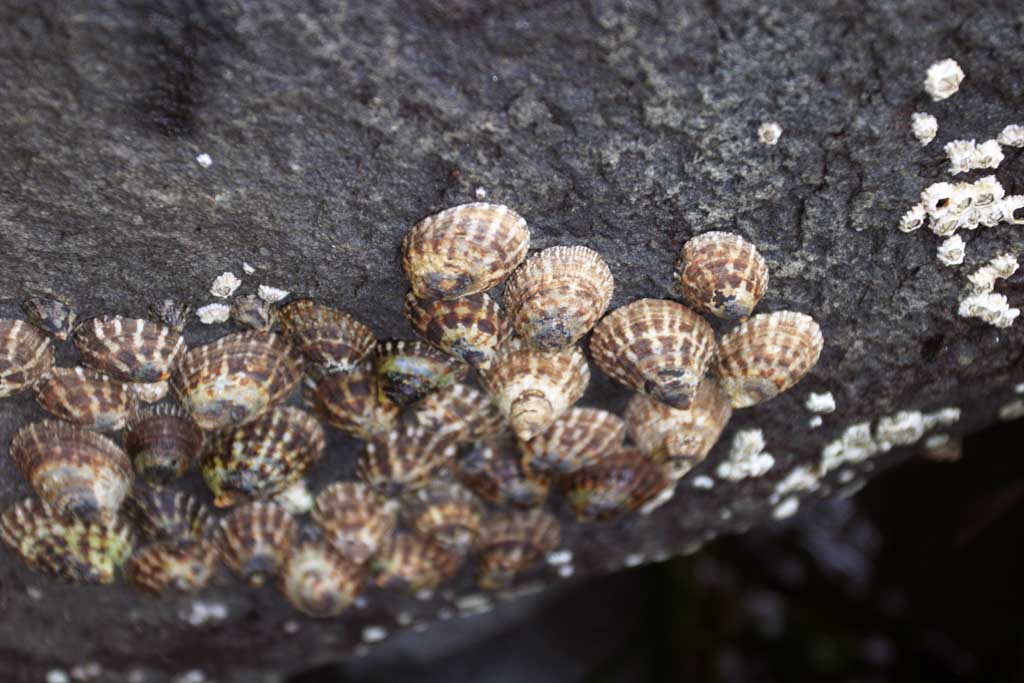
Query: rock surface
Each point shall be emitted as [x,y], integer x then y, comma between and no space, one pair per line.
[627,127]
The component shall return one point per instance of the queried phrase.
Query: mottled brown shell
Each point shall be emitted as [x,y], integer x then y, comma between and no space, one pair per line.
[253,312]
[655,346]
[446,513]
[255,539]
[723,274]
[534,388]
[464,250]
[557,295]
[171,313]
[129,349]
[327,336]
[26,355]
[458,411]
[354,519]
[512,541]
[162,442]
[318,581]
[164,514]
[85,397]
[616,485]
[497,472]
[403,460]
[411,564]
[409,370]
[53,316]
[766,355]
[681,437]
[351,401]
[470,328]
[236,378]
[580,437]
[262,457]
[64,546]
[172,568]
[74,470]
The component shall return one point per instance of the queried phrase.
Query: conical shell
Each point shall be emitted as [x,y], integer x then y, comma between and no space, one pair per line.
[446,513]
[354,519]
[351,401]
[579,438]
[655,346]
[164,514]
[162,442]
[262,457]
[470,328]
[255,539]
[557,295]
[236,379]
[129,349]
[52,316]
[497,472]
[64,546]
[172,568]
[409,370]
[74,470]
[681,437]
[327,337]
[411,564]
[403,460]
[464,250]
[458,411]
[318,581]
[512,541]
[85,397]
[171,313]
[253,312]
[26,354]
[616,485]
[766,355]
[534,388]
[723,274]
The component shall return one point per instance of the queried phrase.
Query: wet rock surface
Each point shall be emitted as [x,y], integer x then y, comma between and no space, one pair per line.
[624,127]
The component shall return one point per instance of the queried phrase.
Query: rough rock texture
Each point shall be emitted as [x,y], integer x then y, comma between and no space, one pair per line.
[627,127]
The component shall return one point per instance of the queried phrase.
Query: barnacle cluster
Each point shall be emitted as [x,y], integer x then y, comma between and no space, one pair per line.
[468,433]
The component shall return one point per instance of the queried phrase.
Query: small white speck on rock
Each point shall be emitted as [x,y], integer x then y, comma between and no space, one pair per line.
[291,627]
[703,481]
[1013,410]
[746,457]
[820,403]
[361,650]
[480,193]
[566,570]
[57,676]
[815,422]
[787,508]
[192,676]
[247,269]
[1018,388]
[34,593]
[769,132]
[403,618]
[633,560]
[374,634]
[204,160]
[556,557]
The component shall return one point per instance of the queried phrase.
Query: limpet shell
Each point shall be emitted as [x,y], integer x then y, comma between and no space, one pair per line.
[411,564]
[469,328]
[409,370]
[236,378]
[458,411]
[74,470]
[497,472]
[351,401]
[354,519]
[464,250]
[254,540]
[262,457]
[53,316]
[172,568]
[722,273]
[162,442]
[512,541]
[64,546]
[557,295]
[617,484]
[318,581]
[327,336]
[403,460]
[766,355]
[25,356]
[580,437]
[534,388]
[655,346]
[446,513]
[253,312]
[129,349]
[85,397]
[164,514]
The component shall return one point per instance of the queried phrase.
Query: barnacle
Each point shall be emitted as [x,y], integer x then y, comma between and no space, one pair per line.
[253,312]
[943,79]
[924,126]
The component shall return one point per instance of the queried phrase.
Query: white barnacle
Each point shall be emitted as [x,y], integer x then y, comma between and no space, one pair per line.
[1012,136]
[204,160]
[983,280]
[769,132]
[913,219]
[746,457]
[987,191]
[787,508]
[815,422]
[374,634]
[936,199]
[1013,410]
[992,308]
[703,481]
[1011,209]
[820,403]
[297,498]
[902,429]
[225,285]
[214,313]
[247,269]
[800,478]
[988,154]
[924,126]
[943,79]
[961,155]
[854,445]
[271,294]
[951,251]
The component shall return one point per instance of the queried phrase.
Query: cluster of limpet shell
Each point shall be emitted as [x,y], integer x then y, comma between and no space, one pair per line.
[472,439]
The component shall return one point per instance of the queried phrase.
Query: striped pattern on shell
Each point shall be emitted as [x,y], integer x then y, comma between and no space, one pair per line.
[162,442]
[354,519]
[327,336]
[351,401]
[580,437]
[52,316]
[64,546]
[557,295]
[445,512]
[253,312]
[458,411]
[655,346]
[511,541]
[616,485]
[403,460]
[85,397]
[409,370]
[26,354]
[469,328]
[767,355]
[165,514]
[723,274]
[172,568]
[464,250]
[409,563]
[129,349]
[497,472]
[255,539]
[318,581]
[236,378]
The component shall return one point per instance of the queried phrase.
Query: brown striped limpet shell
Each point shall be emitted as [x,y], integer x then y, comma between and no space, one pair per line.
[579,438]
[318,580]
[464,250]
[53,316]
[403,460]
[26,354]
[458,411]
[469,328]
[354,519]
[409,370]
[129,349]
[655,346]
[171,568]
[85,397]
[496,471]
[446,513]
[165,514]
[511,542]
[411,564]
[162,442]
[722,273]
[766,355]
[351,401]
[327,336]
[616,485]
[255,539]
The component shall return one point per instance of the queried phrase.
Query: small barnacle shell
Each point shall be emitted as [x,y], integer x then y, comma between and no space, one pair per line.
[445,512]
[470,328]
[351,401]
[458,411]
[150,392]
[578,438]
[64,546]
[464,250]
[25,356]
[913,219]
[171,313]
[655,346]
[409,563]
[235,379]
[403,460]
[943,79]
[171,568]
[557,295]
[253,312]
[534,388]
[263,457]
[409,370]
[56,318]
[85,397]
[767,355]
[512,541]
[354,519]
[129,349]
[497,472]
[164,514]
[327,336]
[617,484]
[255,539]
[162,441]
[937,199]
[318,581]
[74,470]
[722,273]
